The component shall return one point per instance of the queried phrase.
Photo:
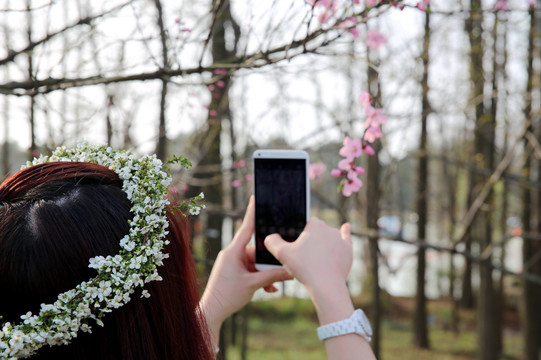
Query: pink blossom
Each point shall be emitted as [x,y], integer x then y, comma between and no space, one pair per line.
[365,98]
[372,134]
[352,148]
[316,171]
[213,113]
[352,184]
[220,84]
[177,21]
[184,188]
[211,87]
[337,173]
[236,183]
[501,5]
[422,5]
[531,3]
[239,163]
[345,164]
[348,25]
[248,177]
[374,39]
[374,117]
[324,16]
[329,6]
[220,71]
[368,150]
[371,3]
[186,30]
[359,170]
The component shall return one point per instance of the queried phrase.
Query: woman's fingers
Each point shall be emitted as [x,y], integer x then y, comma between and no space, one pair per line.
[242,238]
[345,231]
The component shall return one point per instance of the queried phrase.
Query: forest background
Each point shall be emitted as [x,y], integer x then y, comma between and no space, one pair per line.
[451,202]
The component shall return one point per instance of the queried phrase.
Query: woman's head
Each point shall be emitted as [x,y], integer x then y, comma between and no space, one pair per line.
[55,217]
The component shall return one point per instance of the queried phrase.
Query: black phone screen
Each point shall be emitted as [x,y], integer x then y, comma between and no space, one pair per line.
[280,202]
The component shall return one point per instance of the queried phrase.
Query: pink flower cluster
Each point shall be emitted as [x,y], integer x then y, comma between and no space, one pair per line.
[216,90]
[352,149]
[374,39]
[423,5]
[327,8]
[347,167]
[375,117]
[501,5]
[316,171]
[241,164]
[350,25]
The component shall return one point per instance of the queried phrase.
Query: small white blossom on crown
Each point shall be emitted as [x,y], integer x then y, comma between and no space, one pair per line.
[141,253]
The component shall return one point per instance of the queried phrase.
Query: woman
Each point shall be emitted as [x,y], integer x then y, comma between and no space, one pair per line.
[55,216]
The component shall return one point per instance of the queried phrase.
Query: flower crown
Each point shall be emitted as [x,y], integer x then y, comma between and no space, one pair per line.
[141,252]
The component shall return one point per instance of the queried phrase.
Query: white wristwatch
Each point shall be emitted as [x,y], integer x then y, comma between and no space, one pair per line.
[356,324]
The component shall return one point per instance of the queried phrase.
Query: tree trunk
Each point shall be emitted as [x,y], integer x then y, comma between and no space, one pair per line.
[161,146]
[219,105]
[32,105]
[484,149]
[5,145]
[420,329]
[532,291]
[372,203]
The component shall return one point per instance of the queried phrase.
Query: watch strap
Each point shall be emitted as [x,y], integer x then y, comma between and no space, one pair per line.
[352,325]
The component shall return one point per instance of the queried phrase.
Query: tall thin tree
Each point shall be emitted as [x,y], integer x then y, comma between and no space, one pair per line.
[531,246]
[420,327]
[484,148]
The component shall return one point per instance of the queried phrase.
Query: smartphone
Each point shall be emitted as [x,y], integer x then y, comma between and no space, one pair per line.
[282,199]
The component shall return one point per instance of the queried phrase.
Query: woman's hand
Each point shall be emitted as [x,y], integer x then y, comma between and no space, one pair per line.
[234,279]
[320,257]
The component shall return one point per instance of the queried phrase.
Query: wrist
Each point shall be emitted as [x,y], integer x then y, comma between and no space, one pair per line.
[332,301]
[213,320]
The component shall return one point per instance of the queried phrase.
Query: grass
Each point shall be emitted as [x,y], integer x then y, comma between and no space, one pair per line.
[285,329]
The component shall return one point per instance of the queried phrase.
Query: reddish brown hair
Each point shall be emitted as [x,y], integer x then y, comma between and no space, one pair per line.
[56,216]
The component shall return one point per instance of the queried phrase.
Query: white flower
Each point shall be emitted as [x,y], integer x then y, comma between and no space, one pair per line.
[137,281]
[27,317]
[135,263]
[145,294]
[97,262]
[86,328]
[17,340]
[129,246]
[92,292]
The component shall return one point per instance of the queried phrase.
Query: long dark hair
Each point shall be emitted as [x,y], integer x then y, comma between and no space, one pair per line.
[53,218]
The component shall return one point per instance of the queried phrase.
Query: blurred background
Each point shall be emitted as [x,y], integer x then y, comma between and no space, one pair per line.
[447,243]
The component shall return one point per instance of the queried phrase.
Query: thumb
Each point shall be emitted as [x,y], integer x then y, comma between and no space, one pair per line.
[268,277]
[276,245]
[345,231]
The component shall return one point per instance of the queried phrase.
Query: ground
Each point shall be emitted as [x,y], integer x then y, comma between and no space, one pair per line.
[285,329]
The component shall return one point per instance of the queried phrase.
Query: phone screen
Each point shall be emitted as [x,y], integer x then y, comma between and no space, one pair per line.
[281,204]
